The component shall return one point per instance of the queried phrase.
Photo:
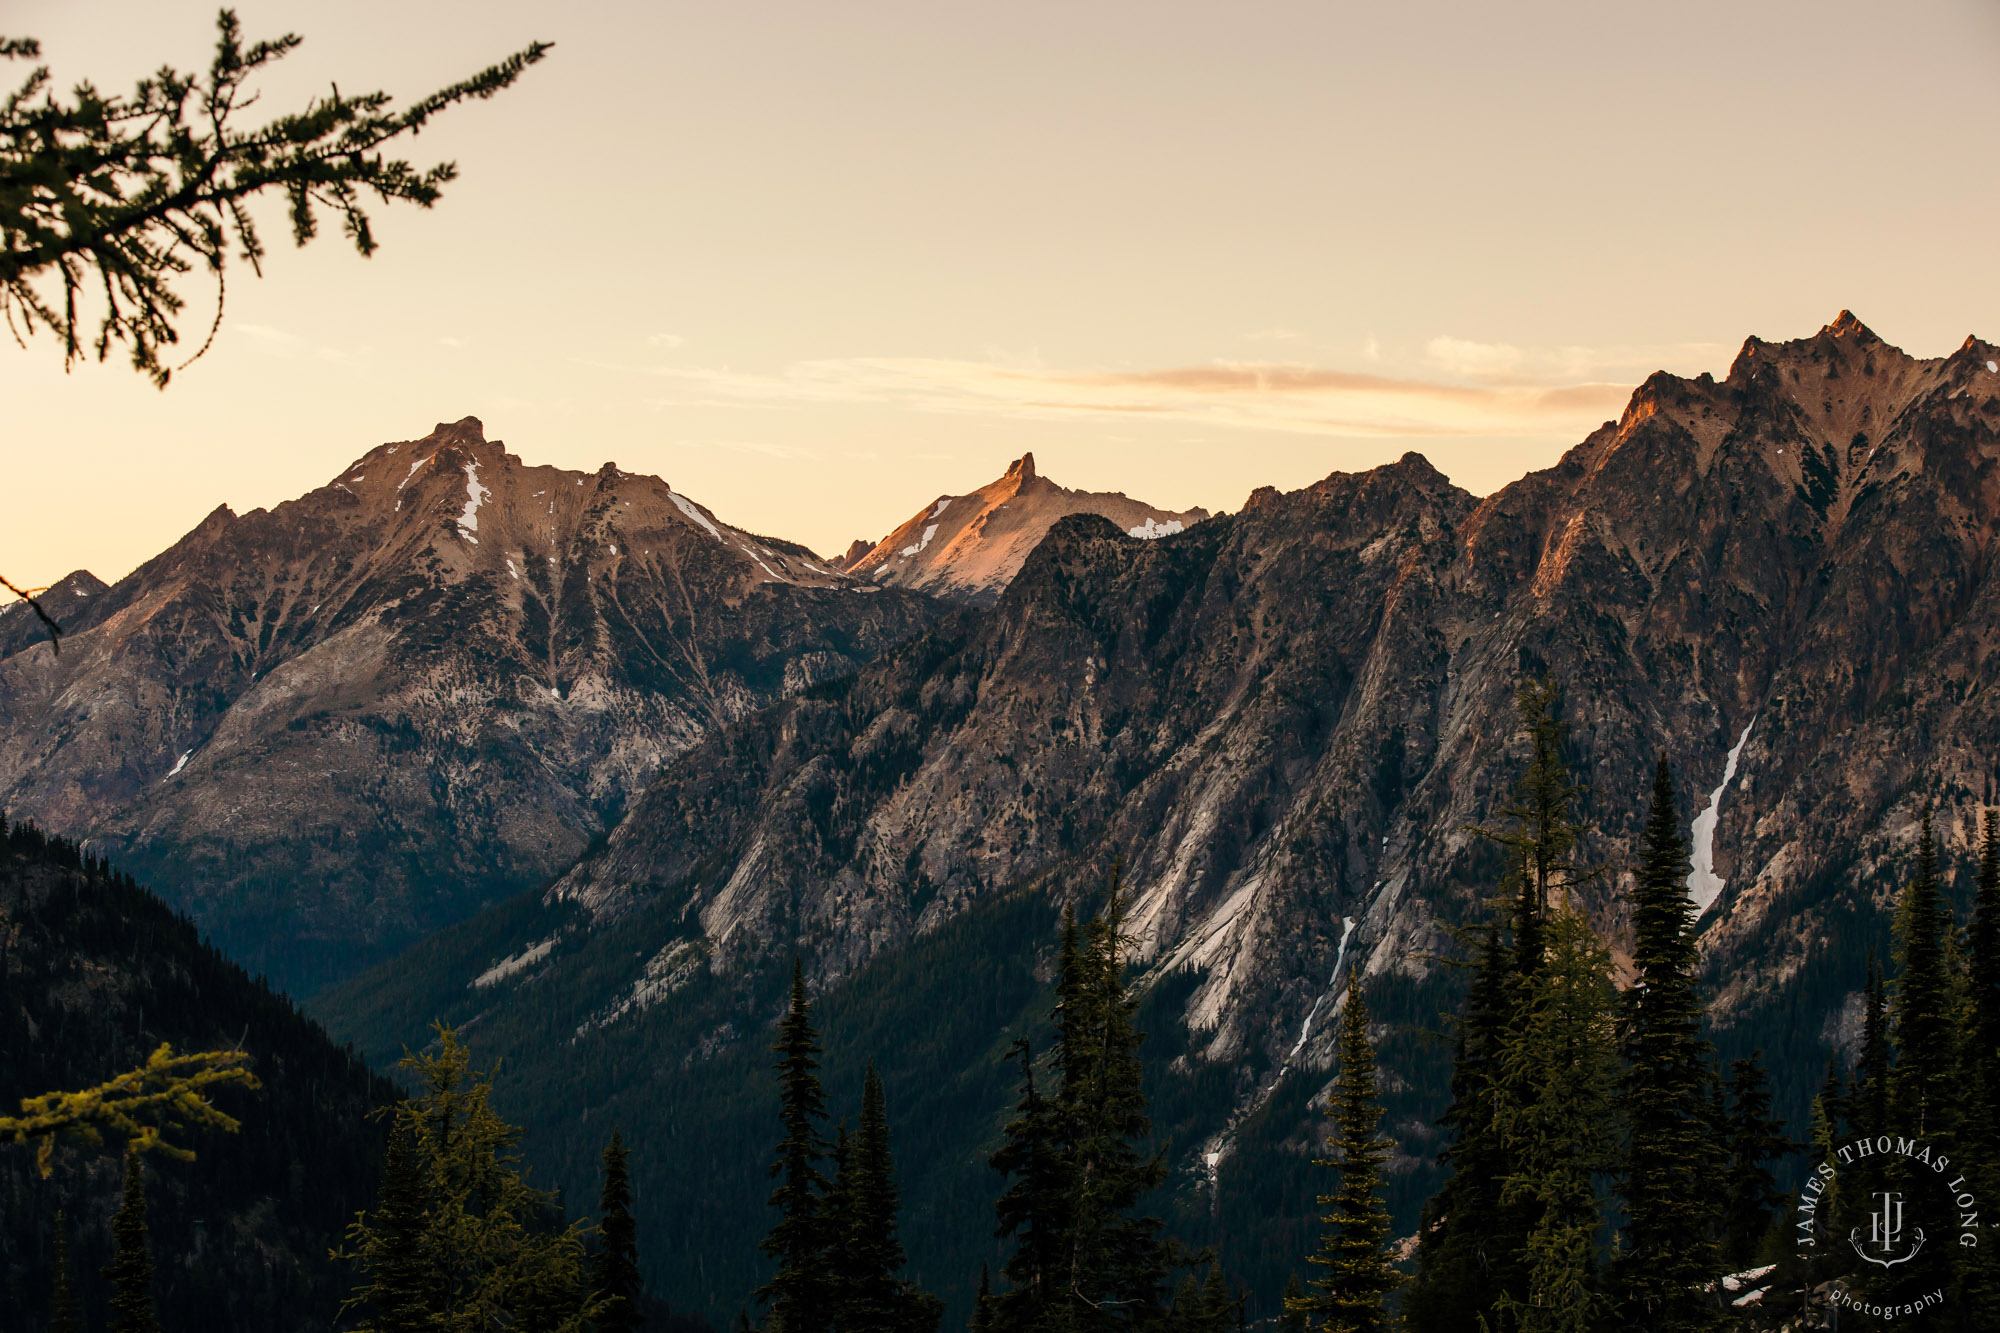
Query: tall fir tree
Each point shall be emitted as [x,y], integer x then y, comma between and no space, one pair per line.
[1670,1154]
[405,1293]
[798,1293]
[1923,1087]
[1356,1275]
[1751,1201]
[1983,946]
[1562,1053]
[1463,1265]
[614,1269]
[458,1238]
[982,1304]
[1075,1156]
[1295,1310]
[870,1297]
[1925,1082]
[1475,1238]
[65,1308]
[1979,1129]
[130,1271]
[1033,1211]
[1117,1262]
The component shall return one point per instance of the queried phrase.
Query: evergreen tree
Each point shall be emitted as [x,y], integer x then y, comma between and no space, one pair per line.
[130,1271]
[458,1238]
[1462,1263]
[982,1304]
[1116,1262]
[1562,1052]
[1034,1209]
[1979,1130]
[1296,1310]
[1669,1153]
[614,1271]
[404,1293]
[1353,1251]
[1923,1085]
[1081,1260]
[1752,1201]
[65,1310]
[1473,1257]
[1983,1045]
[798,1293]
[870,1297]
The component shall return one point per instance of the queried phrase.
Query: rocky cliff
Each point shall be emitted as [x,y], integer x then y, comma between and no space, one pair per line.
[968,547]
[1284,721]
[330,727]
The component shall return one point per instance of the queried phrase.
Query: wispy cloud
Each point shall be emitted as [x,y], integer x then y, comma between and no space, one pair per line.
[1506,363]
[1283,397]
[666,340]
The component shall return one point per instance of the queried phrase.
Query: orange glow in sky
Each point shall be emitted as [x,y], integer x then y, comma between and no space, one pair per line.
[817,264]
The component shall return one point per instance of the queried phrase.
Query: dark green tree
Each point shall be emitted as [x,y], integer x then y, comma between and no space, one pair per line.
[404,1292]
[1751,1200]
[799,1293]
[1116,1263]
[65,1310]
[1033,1211]
[1294,1313]
[130,1271]
[1561,1053]
[1983,945]
[491,1251]
[1669,1154]
[982,1304]
[1463,1265]
[1355,1276]
[614,1269]
[1475,1233]
[1923,1086]
[114,199]
[869,1296]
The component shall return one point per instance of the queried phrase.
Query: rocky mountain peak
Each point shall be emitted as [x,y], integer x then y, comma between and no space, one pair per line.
[506,651]
[969,547]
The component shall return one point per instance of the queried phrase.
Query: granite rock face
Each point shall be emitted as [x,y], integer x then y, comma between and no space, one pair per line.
[1284,719]
[328,728]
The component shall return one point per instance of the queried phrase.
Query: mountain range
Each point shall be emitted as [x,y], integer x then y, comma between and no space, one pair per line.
[1284,723]
[1281,725]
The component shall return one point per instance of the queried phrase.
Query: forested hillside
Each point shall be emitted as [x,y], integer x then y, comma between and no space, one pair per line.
[95,973]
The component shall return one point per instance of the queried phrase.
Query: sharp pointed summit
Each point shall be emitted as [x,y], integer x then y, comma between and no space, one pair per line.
[969,547]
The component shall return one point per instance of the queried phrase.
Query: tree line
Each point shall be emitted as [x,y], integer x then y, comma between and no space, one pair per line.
[1604,1169]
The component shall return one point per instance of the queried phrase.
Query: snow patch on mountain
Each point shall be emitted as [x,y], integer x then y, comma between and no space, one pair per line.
[1704,885]
[687,507]
[475,495]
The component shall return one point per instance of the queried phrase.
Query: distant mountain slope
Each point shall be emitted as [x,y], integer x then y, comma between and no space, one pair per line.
[94,974]
[1284,720]
[327,728]
[968,547]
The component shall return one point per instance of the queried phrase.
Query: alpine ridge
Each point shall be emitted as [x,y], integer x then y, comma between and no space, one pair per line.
[1285,721]
[330,727]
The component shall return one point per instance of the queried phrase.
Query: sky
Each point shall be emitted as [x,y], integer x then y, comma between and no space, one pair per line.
[819,264]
